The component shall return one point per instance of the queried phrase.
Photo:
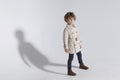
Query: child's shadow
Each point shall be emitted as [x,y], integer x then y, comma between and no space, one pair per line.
[30,55]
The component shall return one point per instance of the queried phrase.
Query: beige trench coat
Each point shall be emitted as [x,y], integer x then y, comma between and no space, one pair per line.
[71,39]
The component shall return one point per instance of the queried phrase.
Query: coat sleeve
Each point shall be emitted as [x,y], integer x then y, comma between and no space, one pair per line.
[80,42]
[65,39]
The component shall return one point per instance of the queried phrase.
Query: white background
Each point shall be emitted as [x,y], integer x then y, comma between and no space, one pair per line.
[39,55]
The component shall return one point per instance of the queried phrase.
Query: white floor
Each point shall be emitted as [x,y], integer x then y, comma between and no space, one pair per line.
[100,68]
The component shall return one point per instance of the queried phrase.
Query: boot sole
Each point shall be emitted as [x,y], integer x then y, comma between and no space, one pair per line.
[71,75]
[84,69]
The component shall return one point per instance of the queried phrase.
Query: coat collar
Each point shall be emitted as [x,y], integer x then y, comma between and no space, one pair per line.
[68,26]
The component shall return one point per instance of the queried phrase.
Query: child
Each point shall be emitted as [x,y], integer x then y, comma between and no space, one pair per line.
[72,43]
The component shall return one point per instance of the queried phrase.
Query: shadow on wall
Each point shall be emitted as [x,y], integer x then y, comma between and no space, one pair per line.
[29,53]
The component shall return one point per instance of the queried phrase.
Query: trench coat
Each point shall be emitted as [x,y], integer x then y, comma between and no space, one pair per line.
[71,39]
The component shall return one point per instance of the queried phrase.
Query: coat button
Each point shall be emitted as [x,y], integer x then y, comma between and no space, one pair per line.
[76,39]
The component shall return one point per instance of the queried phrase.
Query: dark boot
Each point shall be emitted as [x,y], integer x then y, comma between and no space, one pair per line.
[82,66]
[71,73]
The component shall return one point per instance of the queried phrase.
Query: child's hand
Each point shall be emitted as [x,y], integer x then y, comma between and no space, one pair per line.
[66,50]
[80,46]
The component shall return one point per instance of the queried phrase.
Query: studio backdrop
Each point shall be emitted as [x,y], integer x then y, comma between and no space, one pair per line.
[31,39]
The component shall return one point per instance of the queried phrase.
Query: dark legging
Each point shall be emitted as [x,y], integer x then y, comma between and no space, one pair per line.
[70,59]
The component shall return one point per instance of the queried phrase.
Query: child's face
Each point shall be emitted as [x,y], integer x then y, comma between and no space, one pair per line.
[70,21]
